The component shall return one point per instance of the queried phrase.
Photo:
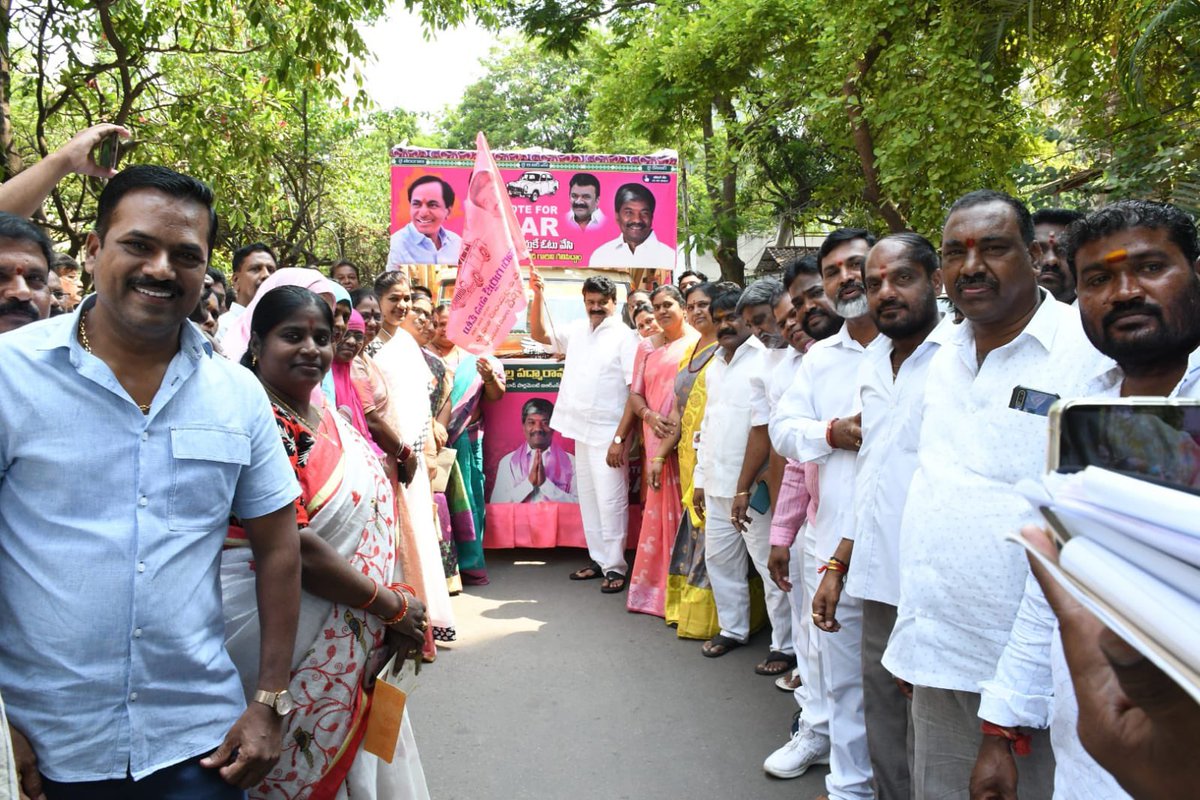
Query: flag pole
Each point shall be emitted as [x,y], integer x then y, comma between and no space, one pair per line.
[545,306]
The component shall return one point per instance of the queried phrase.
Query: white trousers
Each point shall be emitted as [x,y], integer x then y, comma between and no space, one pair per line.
[604,506]
[727,554]
[841,661]
[812,692]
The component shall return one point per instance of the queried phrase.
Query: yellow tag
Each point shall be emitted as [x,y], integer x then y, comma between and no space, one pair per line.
[383,724]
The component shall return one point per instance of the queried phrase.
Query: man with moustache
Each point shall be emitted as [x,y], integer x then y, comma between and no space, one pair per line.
[539,471]
[1136,264]
[960,584]
[637,246]
[113,663]
[735,411]
[584,193]
[813,318]
[903,280]
[252,265]
[764,307]
[25,257]
[1050,232]
[817,422]
[599,353]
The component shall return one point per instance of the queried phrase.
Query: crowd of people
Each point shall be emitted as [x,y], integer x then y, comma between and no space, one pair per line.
[274,502]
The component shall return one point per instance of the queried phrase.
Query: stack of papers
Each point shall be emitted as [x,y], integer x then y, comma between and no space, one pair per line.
[1130,552]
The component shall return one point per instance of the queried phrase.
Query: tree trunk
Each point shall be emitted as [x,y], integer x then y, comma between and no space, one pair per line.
[720,181]
[10,162]
[864,143]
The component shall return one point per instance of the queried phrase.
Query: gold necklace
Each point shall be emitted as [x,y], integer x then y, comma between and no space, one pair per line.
[87,345]
[279,401]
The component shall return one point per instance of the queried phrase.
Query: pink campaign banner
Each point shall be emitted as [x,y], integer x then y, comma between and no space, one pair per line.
[530,505]
[487,290]
[566,206]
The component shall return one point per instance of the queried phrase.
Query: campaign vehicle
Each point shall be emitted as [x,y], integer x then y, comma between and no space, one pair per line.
[533,185]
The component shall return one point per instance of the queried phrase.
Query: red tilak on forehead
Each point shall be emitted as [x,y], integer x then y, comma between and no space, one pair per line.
[1116,256]
[970,243]
[1052,239]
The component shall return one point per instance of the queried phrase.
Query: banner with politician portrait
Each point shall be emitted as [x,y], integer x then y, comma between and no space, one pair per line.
[573,210]
[531,485]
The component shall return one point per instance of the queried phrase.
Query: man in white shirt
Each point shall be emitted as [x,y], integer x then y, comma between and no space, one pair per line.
[252,265]
[817,422]
[793,544]
[903,280]
[637,246]
[584,194]
[1138,288]
[539,471]
[599,354]
[960,584]
[735,411]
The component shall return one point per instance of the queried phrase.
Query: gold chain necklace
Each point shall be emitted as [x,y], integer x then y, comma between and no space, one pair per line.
[279,401]
[87,345]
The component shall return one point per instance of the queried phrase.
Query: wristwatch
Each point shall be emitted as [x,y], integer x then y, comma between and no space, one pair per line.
[618,440]
[281,702]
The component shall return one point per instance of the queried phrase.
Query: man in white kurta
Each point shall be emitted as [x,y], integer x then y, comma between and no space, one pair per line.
[599,353]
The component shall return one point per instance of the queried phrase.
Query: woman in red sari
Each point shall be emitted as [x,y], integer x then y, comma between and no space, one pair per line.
[652,398]
[353,613]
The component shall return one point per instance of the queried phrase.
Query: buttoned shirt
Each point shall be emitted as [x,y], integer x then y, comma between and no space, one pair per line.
[891,426]
[735,403]
[785,365]
[1032,684]
[596,378]
[410,246]
[825,387]
[594,223]
[228,320]
[650,253]
[960,583]
[112,658]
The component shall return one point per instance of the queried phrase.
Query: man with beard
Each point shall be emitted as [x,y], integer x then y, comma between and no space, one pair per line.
[1050,232]
[637,246]
[735,411]
[25,257]
[585,213]
[813,318]
[1136,264]
[539,471]
[252,265]
[903,280]
[817,422]
[960,583]
[599,353]
[765,307]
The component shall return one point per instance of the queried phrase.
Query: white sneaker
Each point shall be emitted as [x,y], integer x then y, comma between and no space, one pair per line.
[804,749]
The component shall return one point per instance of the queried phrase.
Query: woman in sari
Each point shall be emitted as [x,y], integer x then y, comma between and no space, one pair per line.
[475,379]
[354,614]
[652,397]
[690,605]
[407,380]
[401,458]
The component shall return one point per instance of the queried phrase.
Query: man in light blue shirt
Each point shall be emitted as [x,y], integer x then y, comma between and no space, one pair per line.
[425,239]
[112,658]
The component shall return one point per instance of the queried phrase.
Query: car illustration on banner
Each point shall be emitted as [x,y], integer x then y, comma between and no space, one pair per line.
[533,185]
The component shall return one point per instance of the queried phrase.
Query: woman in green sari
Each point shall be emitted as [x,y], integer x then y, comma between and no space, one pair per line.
[475,378]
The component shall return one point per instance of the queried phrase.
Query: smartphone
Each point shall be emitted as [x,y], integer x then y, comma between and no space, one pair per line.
[1156,439]
[1031,401]
[108,153]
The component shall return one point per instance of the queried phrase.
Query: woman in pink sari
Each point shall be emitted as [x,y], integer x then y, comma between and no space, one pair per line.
[652,397]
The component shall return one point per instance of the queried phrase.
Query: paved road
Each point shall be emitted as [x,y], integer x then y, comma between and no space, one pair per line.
[555,692]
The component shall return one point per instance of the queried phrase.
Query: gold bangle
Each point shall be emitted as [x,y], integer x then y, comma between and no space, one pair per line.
[659,458]
[403,609]
[742,494]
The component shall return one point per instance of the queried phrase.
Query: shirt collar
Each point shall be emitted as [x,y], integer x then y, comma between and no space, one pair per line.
[1043,326]
[620,242]
[410,233]
[612,319]
[192,340]
[1109,377]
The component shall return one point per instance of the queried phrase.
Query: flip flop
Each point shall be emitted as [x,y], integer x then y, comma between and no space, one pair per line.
[786,664]
[590,572]
[724,642]
[611,578]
